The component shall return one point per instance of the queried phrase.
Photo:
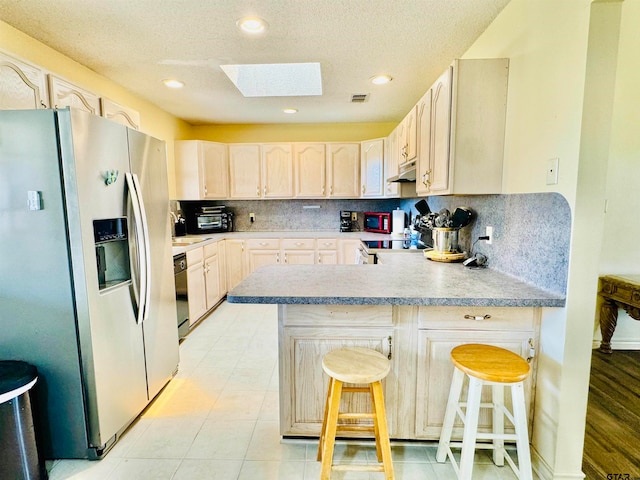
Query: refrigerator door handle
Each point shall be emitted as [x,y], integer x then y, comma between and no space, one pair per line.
[140,283]
[146,267]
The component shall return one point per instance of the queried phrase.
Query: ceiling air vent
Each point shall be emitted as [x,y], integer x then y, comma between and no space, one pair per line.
[359,97]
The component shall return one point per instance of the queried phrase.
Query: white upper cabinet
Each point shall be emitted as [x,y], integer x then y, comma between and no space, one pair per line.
[22,85]
[372,168]
[408,137]
[327,170]
[392,189]
[461,146]
[343,170]
[119,113]
[310,168]
[202,170]
[277,171]
[244,171]
[65,94]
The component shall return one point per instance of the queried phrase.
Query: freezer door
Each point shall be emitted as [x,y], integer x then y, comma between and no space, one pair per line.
[37,317]
[95,158]
[148,163]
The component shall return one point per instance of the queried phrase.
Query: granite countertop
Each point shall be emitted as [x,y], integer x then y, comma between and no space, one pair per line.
[399,280]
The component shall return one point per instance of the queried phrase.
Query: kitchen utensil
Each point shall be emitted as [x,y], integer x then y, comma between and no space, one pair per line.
[461,217]
[443,218]
[423,207]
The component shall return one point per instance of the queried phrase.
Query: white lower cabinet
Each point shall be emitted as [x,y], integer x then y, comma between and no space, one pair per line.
[261,252]
[236,262]
[205,279]
[419,341]
[347,251]
[196,285]
[303,383]
[327,249]
[514,329]
[299,251]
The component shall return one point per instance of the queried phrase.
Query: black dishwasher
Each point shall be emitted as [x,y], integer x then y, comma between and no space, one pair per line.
[182,296]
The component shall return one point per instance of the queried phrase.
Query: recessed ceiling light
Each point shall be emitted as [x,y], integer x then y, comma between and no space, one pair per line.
[252,25]
[173,83]
[290,110]
[381,79]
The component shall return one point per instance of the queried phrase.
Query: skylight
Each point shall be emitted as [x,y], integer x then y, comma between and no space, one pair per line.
[276,79]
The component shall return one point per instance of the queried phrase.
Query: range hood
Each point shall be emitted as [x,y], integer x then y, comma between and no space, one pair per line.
[406,175]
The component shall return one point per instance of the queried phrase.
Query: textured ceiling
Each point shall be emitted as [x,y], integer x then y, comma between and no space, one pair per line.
[137,43]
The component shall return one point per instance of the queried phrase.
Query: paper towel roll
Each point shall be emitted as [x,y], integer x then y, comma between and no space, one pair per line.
[397,222]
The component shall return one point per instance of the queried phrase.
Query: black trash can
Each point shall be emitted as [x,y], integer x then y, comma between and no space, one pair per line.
[19,455]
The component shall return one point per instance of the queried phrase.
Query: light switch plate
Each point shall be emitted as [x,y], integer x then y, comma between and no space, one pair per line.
[34,200]
[552,171]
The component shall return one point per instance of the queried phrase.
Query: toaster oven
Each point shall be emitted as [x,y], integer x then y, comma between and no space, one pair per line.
[209,220]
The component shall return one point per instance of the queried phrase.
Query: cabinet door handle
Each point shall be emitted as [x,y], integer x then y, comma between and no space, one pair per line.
[319,258]
[258,191]
[364,189]
[264,190]
[477,317]
[205,190]
[389,339]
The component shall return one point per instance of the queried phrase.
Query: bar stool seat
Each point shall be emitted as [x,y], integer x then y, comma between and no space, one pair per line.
[355,365]
[499,368]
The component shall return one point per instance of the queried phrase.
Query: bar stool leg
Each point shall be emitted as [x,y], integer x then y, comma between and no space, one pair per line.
[497,398]
[335,393]
[522,441]
[323,430]
[382,435]
[376,431]
[470,428]
[450,415]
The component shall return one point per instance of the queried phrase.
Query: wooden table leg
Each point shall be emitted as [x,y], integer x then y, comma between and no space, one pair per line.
[608,322]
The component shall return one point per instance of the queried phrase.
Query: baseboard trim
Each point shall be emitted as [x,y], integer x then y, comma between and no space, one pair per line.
[545,472]
[620,345]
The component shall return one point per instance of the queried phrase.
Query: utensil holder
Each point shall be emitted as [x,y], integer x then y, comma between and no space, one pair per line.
[445,240]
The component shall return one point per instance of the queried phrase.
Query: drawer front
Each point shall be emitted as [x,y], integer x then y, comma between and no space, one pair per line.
[478,318]
[263,243]
[327,244]
[298,244]
[194,256]
[210,249]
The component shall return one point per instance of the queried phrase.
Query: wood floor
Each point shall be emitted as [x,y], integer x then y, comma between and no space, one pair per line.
[612,437]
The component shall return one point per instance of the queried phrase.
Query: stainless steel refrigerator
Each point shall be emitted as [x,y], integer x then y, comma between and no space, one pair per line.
[86,274]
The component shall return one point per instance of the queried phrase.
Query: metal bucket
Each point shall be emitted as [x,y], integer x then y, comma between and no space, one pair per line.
[445,240]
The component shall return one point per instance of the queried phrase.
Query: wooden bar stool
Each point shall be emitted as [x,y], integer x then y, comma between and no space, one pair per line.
[486,365]
[355,365]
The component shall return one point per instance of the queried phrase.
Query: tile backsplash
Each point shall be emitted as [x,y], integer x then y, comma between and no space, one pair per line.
[531,232]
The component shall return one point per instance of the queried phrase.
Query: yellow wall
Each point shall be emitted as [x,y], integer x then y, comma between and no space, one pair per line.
[153,120]
[333,132]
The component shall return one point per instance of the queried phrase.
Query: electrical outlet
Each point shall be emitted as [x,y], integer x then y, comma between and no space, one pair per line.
[354,216]
[252,217]
[552,171]
[489,233]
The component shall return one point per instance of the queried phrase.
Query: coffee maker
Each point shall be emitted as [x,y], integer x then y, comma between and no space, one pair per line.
[346,222]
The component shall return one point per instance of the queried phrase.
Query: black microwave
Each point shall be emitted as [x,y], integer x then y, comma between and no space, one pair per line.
[209,220]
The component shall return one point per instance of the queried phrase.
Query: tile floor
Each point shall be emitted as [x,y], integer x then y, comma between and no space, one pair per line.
[218,419]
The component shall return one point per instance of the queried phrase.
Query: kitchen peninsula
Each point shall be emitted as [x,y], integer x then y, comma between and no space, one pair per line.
[411,309]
